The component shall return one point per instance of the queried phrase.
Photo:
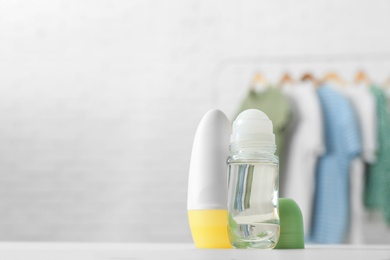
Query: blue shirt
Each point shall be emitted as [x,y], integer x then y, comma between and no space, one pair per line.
[343,143]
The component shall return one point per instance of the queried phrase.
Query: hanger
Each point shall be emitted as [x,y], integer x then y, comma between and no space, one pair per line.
[258,82]
[333,77]
[286,79]
[361,78]
[308,77]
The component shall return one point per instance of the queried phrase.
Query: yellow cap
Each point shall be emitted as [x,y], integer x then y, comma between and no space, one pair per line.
[209,228]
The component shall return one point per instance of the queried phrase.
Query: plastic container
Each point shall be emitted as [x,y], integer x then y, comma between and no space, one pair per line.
[253,183]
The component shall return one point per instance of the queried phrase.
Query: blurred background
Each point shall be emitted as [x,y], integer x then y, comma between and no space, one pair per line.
[100,100]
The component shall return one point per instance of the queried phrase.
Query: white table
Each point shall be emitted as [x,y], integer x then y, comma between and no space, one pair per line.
[131,251]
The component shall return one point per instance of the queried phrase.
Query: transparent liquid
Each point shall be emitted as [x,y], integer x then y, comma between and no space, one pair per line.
[253,205]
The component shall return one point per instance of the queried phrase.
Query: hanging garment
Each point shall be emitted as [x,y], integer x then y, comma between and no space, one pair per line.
[364,105]
[304,145]
[272,102]
[342,142]
[377,191]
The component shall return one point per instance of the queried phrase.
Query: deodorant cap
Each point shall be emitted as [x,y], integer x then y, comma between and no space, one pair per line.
[291,225]
[252,129]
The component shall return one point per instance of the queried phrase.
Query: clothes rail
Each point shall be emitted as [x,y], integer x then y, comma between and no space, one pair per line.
[310,59]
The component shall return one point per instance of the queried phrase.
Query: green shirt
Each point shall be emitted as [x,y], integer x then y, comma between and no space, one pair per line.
[377,189]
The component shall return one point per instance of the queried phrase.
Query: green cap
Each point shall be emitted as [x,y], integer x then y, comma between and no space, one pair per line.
[291,225]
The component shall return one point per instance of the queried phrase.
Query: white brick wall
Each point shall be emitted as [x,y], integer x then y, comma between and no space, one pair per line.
[99,101]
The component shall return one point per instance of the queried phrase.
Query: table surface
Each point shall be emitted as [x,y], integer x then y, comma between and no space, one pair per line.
[135,251]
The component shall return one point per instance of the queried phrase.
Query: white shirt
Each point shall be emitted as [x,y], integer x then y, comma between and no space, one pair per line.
[305,145]
[364,104]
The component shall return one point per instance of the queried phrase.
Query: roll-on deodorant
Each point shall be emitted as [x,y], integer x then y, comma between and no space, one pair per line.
[207,182]
[253,182]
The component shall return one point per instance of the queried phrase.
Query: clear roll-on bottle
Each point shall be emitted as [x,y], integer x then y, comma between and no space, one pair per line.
[253,182]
